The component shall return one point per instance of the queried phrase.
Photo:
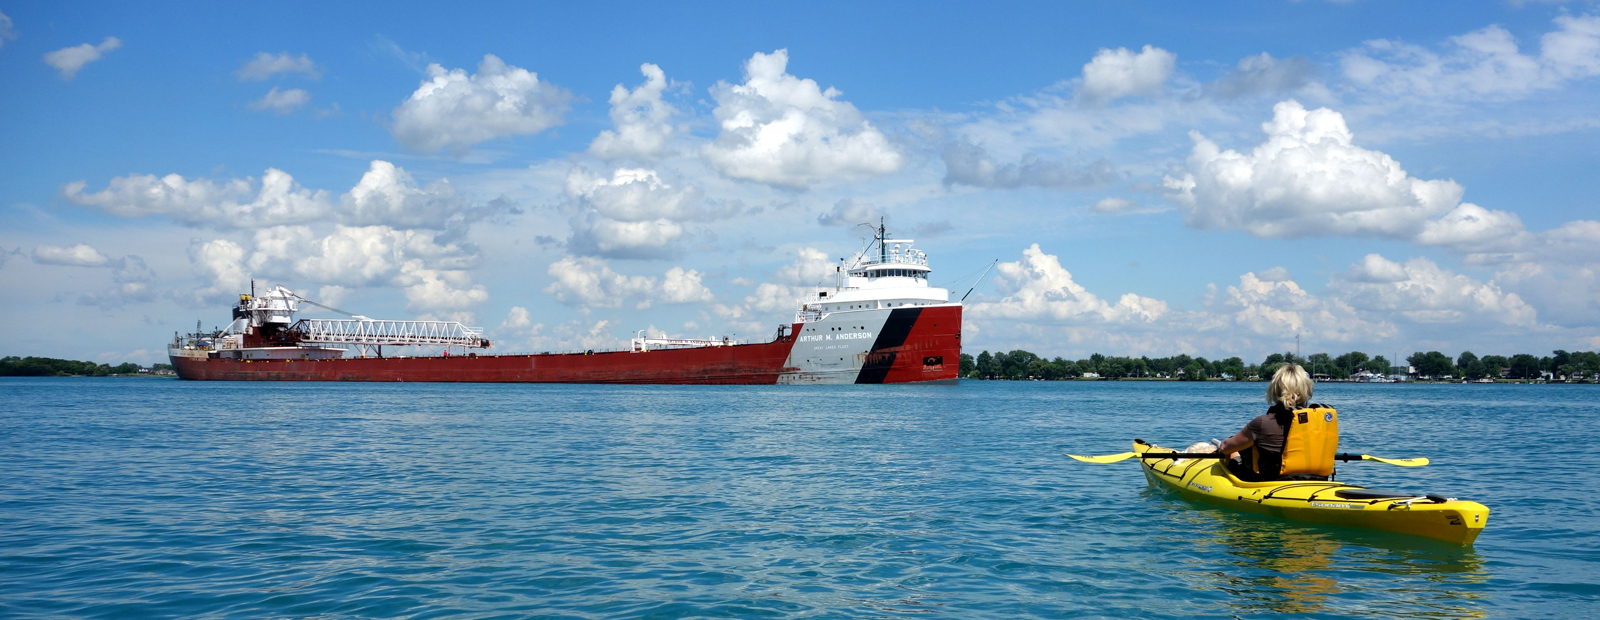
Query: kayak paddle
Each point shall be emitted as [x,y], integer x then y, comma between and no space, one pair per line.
[1117,458]
[1416,462]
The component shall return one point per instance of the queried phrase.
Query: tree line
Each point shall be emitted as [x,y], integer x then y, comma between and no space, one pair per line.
[1022,365]
[1558,365]
[13,366]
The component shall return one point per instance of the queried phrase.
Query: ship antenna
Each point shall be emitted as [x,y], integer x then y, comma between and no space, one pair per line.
[980,279]
[883,250]
[862,255]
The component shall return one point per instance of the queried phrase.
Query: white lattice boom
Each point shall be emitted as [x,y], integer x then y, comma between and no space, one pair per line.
[392,333]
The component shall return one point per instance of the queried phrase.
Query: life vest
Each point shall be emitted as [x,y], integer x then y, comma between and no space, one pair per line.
[1311,441]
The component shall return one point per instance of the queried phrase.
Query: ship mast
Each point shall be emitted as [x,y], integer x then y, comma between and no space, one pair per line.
[883,250]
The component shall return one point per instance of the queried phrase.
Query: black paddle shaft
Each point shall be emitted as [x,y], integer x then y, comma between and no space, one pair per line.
[1346,457]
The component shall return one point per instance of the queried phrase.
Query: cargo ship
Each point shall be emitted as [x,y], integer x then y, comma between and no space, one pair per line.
[880,322]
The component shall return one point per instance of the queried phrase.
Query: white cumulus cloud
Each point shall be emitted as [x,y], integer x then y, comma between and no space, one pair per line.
[1117,73]
[643,121]
[385,194]
[440,290]
[221,264]
[1420,291]
[1277,308]
[452,110]
[633,213]
[517,320]
[231,203]
[682,286]
[281,102]
[1483,64]
[794,281]
[433,275]
[79,255]
[1471,228]
[69,60]
[785,131]
[809,268]
[1038,288]
[587,281]
[1307,179]
[266,65]
[773,298]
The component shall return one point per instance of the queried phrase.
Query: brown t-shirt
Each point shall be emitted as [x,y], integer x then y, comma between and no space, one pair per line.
[1268,431]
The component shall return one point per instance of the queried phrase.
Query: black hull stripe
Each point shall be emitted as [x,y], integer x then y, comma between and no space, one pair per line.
[892,336]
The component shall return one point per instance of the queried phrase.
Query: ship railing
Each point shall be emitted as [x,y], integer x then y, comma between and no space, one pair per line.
[392,333]
[903,257]
[641,345]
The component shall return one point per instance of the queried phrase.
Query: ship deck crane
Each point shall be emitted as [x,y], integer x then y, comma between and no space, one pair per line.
[363,333]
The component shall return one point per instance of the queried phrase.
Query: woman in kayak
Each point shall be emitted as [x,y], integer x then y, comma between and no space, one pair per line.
[1263,441]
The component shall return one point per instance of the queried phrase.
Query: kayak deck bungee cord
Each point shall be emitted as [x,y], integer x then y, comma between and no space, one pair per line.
[1316,501]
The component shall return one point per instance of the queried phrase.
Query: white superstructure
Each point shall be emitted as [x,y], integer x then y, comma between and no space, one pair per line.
[840,326]
[895,277]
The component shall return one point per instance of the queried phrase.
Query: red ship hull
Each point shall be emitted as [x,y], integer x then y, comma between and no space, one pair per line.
[923,344]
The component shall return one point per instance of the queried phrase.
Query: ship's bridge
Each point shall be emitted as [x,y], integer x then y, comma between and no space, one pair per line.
[894,276]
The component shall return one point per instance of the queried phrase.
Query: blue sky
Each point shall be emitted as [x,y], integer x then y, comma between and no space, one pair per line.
[1155,178]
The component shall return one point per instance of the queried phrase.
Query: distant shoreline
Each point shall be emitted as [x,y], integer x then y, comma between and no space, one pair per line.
[1215,380]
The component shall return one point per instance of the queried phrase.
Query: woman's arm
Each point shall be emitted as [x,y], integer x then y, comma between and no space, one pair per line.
[1236,443]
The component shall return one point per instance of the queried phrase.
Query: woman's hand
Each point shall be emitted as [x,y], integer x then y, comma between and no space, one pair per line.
[1236,443]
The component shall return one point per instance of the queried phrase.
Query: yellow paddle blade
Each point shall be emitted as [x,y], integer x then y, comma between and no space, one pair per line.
[1109,458]
[1416,462]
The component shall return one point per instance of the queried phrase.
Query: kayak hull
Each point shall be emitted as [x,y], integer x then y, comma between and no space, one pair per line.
[1324,502]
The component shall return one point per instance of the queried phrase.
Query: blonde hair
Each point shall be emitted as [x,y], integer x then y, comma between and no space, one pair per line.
[1290,387]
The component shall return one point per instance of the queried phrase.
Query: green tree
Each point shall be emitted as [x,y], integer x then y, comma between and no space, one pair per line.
[14,366]
[1350,363]
[1470,366]
[1433,364]
[1524,366]
[985,366]
[1493,364]
[968,366]
[1319,363]
[1588,363]
[1233,367]
[1016,365]
[1112,367]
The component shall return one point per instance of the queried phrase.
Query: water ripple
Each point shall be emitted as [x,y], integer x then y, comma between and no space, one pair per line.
[164,499]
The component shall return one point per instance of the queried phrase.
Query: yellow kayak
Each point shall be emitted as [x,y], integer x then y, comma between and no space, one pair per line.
[1327,502]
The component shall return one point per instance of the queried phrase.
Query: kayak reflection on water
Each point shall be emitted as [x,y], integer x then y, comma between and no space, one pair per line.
[1270,567]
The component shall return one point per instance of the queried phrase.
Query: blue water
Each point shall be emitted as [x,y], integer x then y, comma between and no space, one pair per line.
[164,499]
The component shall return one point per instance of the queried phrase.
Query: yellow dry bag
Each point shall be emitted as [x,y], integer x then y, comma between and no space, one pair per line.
[1313,438]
